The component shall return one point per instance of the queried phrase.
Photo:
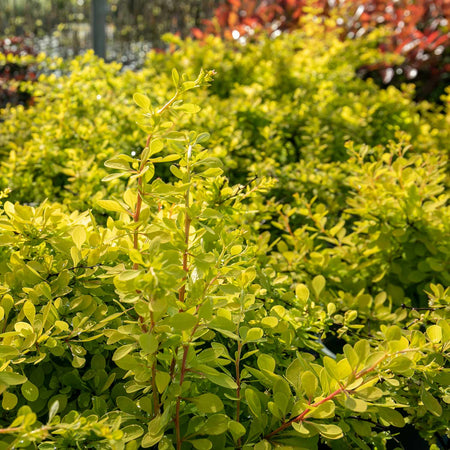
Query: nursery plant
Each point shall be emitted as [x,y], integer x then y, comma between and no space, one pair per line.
[18,62]
[173,326]
[416,30]
[275,102]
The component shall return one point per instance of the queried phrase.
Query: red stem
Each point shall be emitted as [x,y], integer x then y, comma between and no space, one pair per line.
[10,430]
[177,410]
[301,416]
[238,390]
[187,225]
[144,327]
[154,387]
[155,391]
[172,368]
[137,211]
[182,375]
[177,424]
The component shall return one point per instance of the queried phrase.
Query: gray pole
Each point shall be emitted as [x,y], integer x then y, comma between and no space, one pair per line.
[99,27]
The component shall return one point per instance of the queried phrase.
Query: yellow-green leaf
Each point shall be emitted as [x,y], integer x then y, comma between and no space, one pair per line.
[431,403]
[208,403]
[29,391]
[323,411]
[148,343]
[9,401]
[253,402]
[78,236]
[434,333]
[123,351]
[162,381]
[318,284]
[254,334]
[142,101]
[329,431]
[11,378]
[215,425]
[112,205]
[30,311]
[302,292]
[309,384]
[183,321]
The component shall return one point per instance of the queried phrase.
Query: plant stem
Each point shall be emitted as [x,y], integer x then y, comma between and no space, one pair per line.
[302,415]
[154,387]
[155,390]
[237,365]
[413,308]
[10,430]
[238,389]
[168,104]
[144,328]
[182,375]
[177,409]
[137,211]
[172,366]
[187,226]
[177,424]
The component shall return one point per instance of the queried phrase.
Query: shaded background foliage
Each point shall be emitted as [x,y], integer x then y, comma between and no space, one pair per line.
[418,30]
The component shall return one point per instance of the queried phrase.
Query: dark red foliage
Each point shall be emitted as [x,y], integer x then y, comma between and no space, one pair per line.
[17,46]
[420,34]
[420,31]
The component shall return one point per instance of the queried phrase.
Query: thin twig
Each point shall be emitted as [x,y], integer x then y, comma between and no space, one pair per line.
[413,308]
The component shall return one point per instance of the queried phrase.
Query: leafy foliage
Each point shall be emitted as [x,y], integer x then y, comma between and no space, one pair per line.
[277,102]
[306,305]
[418,31]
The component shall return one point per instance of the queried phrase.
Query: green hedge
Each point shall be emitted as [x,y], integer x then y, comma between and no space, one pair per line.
[281,283]
[275,102]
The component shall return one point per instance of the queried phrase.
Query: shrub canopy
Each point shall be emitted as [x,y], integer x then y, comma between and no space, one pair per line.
[261,263]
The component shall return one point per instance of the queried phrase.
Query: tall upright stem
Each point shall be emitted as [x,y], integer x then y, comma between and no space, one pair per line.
[155,390]
[136,217]
[187,226]
[177,407]
[137,211]
[182,375]
[238,389]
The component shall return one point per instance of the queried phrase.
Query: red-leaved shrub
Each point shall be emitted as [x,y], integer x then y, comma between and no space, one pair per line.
[11,71]
[419,31]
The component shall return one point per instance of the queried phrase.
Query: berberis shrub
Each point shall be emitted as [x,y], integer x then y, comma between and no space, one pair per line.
[273,285]
[275,102]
